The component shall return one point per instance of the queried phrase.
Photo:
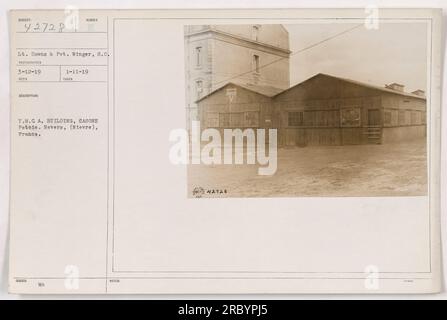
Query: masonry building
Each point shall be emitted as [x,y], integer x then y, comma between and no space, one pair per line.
[219,54]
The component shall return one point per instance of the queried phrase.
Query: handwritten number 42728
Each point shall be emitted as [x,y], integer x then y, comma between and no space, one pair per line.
[44,27]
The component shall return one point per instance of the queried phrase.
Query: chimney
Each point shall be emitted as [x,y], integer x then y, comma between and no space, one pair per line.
[396,87]
[419,92]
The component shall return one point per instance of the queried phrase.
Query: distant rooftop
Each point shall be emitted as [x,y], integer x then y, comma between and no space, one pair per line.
[267,91]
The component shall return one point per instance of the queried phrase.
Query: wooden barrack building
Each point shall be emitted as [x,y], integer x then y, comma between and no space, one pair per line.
[322,110]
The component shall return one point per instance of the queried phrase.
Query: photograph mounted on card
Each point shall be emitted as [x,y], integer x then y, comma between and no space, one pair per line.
[225,151]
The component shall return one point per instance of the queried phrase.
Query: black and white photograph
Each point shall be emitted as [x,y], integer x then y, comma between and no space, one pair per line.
[347,100]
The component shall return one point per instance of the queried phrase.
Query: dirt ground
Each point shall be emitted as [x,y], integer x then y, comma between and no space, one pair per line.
[360,170]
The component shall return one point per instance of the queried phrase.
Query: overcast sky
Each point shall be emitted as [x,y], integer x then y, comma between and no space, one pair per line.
[396,52]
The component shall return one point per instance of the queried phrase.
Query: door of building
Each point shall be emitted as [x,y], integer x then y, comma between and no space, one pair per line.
[373,118]
[373,131]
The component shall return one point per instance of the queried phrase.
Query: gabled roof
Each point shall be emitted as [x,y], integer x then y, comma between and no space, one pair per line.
[271,92]
[267,91]
[367,85]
